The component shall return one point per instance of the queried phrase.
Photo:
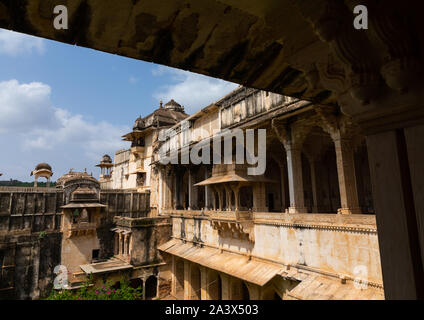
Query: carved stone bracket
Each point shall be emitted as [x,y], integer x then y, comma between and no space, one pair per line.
[338,126]
[236,225]
[291,136]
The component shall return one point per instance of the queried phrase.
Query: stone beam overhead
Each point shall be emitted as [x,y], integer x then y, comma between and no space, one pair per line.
[307,49]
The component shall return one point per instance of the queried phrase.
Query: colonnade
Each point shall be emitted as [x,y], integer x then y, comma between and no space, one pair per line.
[177,188]
[122,245]
[191,281]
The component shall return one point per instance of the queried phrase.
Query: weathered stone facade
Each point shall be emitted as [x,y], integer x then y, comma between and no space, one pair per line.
[214,231]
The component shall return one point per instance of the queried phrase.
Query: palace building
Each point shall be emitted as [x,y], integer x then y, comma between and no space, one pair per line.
[304,229]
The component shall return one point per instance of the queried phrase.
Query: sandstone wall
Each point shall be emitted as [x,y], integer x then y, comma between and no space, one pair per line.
[327,243]
[30,241]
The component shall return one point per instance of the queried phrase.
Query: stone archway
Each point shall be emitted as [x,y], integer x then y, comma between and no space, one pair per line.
[151,288]
[214,285]
[319,166]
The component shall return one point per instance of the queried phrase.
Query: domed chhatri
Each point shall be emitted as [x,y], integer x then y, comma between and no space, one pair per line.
[43,170]
[42,166]
[139,124]
[106,159]
[105,165]
[172,104]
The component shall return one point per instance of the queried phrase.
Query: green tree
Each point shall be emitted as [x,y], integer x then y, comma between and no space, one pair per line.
[103,292]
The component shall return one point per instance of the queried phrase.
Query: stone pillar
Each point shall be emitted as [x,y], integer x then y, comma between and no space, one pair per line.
[346,173]
[190,189]
[295,177]
[120,244]
[144,289]
[174,276]
[312,165]
[206,191]
[236,197]
[125,245]
[203,284]
[48,182]
[225,286]
[292,138]
[35,181]
[187,280]
[228,204]
[397,178]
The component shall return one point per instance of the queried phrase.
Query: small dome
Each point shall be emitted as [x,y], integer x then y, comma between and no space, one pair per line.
[44,166]
[172,105]
[106,159]
[139,124]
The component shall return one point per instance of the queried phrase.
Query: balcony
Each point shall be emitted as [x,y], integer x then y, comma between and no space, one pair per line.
[82,229]
[137,151]
[233,224]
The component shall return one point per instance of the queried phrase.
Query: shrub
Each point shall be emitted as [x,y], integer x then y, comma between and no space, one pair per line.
[103,292]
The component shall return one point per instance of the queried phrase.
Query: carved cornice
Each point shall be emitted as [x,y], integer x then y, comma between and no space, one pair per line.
[363,230]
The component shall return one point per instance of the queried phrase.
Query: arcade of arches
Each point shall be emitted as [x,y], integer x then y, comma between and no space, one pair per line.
[322,170]
[191,281]
[317,178]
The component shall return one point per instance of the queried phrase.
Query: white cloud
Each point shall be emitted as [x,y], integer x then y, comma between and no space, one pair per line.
[192,90]
[133,80]
[32,130]
[14,44]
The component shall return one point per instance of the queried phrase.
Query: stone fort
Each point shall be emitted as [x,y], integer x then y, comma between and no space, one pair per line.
[305,229]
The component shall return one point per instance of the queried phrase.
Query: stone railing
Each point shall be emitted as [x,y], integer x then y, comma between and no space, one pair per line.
[352,222]
[231,215]
[184,213]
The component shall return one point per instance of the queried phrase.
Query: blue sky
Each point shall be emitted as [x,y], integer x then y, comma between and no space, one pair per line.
[68,106]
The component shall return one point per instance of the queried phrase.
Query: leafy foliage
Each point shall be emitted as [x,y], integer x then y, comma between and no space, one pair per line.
[103,292]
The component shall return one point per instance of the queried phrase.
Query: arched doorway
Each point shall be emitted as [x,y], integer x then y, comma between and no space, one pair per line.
[273,190]
[151,288]
[214,285]
[319,173]
[246,198]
